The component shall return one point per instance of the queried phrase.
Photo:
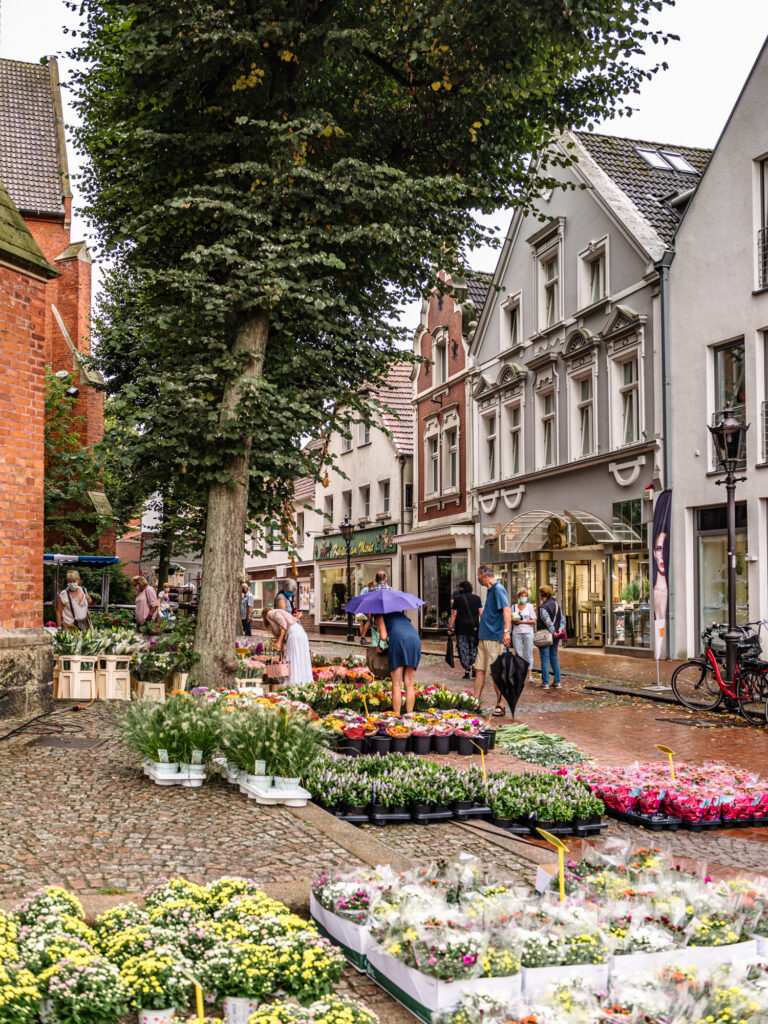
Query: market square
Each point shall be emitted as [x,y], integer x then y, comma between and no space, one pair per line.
[384,626]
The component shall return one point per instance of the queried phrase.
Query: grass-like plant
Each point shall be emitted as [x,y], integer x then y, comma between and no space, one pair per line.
[287,743]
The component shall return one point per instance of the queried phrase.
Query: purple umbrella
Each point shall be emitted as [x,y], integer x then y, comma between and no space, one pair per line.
[382,602]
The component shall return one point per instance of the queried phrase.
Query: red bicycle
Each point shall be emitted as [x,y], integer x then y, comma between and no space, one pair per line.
[699,685]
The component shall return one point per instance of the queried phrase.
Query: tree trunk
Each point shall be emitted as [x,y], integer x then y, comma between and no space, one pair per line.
[164,559]
[218,614]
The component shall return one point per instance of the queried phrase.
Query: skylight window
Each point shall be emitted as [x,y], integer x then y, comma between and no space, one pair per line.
[654,158]
[679,163]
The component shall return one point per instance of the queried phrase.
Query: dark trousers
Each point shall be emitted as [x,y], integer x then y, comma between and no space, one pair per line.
[246,627]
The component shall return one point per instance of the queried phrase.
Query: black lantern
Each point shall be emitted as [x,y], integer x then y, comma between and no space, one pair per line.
[729,437]
[347,530]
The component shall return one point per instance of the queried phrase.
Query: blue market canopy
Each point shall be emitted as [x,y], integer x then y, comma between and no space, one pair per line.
[92,561]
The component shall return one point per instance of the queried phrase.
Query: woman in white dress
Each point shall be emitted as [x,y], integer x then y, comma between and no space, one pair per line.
[292,641]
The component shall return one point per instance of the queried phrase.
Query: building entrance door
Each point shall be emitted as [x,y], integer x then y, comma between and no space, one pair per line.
[584,600]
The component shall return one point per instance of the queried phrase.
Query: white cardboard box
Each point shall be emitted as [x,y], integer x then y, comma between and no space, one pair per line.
[537,980]
[432,994]
[353,938]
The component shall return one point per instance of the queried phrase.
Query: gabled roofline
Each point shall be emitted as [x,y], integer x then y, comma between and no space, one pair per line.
[61,140]
[721,136]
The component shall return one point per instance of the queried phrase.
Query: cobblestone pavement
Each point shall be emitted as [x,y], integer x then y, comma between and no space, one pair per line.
[90,820]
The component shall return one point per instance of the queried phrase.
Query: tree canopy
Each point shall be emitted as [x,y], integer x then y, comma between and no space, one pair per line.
[272,178]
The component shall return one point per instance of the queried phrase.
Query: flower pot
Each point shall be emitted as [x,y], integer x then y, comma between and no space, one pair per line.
[157,1016]
[378,809]
[399,744]
[421,744]
[356,811]
[454,742]
[466,745]
[350,747]
[234,773]
[462,805]
[192,771]
[262,781]
[165,767]
[491,734]
[285,782]
[442,744]
[483,741]
[399,809]
[421,808]
[546,825]
[379,744]
[503,822]
[237,1009]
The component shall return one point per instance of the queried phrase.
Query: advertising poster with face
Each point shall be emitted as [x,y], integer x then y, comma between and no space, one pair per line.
[659,564]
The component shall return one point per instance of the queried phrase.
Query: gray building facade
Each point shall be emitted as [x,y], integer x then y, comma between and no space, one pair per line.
[568,418]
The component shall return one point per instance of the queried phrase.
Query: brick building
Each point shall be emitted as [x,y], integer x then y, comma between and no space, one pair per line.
[45,300]
[25,275]
[439,549]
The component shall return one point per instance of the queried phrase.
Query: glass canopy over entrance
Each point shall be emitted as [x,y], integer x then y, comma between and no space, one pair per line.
[542,530]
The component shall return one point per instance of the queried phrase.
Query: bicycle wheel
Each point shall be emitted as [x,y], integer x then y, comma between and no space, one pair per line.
[751,697]
[695,685]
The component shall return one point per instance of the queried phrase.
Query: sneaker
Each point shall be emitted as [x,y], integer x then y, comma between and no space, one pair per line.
[365,643]
[558,686]
[545,686]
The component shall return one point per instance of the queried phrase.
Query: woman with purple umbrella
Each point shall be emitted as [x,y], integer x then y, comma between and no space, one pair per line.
[397,636]
[404,652]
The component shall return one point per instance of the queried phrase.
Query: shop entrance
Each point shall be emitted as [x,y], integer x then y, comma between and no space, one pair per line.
[440,577]
[584,601]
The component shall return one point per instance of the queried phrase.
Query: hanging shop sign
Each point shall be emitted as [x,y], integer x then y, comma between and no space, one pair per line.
[364,543]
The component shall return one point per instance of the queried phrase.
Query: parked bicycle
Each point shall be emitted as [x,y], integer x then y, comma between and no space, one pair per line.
[699,685]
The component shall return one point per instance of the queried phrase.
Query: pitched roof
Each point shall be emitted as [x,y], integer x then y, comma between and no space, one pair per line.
[646,187]
[17,245]
[32,155]
[304,489]
[397,393]
[478,286]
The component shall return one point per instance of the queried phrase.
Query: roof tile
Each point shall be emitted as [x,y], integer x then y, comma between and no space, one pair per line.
[397,393]
[646,186]
[29,164]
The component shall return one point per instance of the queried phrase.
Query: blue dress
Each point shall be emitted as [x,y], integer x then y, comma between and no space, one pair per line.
[404,644]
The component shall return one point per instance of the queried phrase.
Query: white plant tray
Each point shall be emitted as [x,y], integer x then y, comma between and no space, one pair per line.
[173,780]
[270,797]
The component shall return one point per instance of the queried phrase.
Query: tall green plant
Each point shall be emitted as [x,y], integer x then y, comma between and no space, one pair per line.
[288,743]
[272,180]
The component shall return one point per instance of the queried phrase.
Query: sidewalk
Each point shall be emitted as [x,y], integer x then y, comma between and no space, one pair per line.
[577,663]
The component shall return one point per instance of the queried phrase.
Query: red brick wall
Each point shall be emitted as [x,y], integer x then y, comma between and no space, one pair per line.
[442,314]
[22,408]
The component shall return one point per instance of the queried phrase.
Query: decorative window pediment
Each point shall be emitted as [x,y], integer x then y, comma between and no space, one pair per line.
[579,342]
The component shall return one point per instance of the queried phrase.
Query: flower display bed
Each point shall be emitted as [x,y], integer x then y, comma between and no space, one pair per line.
[542,748]
[398,788]
[246,949]
[351,686]
[701,797]
[455,945]
[431,732]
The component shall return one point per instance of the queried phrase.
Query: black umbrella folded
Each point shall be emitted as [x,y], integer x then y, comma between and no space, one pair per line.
[509,672]
[449,651]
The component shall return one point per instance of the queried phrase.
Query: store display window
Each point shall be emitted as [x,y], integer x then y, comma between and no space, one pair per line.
[630,600]
[333,586]
[712,567]
[440,578]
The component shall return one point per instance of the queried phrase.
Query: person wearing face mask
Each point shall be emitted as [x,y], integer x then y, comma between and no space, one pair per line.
[147,609]
[72,607]
[523,625]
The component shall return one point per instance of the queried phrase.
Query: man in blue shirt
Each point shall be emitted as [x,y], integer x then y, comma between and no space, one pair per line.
[495,631]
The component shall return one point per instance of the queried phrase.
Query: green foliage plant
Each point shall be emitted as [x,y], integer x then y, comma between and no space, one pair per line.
[271,182]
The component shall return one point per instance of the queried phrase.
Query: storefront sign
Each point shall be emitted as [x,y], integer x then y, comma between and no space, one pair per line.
[364,544]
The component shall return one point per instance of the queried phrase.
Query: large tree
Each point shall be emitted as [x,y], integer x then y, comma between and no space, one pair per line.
[279,175]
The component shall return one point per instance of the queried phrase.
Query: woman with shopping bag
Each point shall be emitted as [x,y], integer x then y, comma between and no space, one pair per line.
[549,626]
[292,642]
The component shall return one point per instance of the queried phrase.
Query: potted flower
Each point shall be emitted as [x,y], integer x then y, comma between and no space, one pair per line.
[467,731]
[143,725]
[19,995]
[399,733]
[84,989]
[158,985]
[442,731]
[242,974]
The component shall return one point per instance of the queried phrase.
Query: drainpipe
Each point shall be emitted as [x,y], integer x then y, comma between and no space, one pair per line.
[666,397]
[401,460]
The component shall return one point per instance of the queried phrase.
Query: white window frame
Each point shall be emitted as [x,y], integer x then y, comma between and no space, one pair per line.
[384,499]
[346,444]
[451,459]
[346,504]
[328,507]
[594,252]
[618,359]
[440,358]
[546,258]
[490,443]
[577,405]
[514,436]
[364,502]
[544,416]
[363,434]
[431,436]
[299,529]
[512,307]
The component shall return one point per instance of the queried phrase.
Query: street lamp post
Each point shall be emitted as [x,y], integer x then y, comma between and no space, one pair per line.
[348,532]
[729,437]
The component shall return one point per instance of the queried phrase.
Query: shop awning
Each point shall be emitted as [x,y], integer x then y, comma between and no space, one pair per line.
[545,530]
[92,561]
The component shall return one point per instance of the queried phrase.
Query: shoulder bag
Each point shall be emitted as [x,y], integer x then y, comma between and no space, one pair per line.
[543,637]
[81,624]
